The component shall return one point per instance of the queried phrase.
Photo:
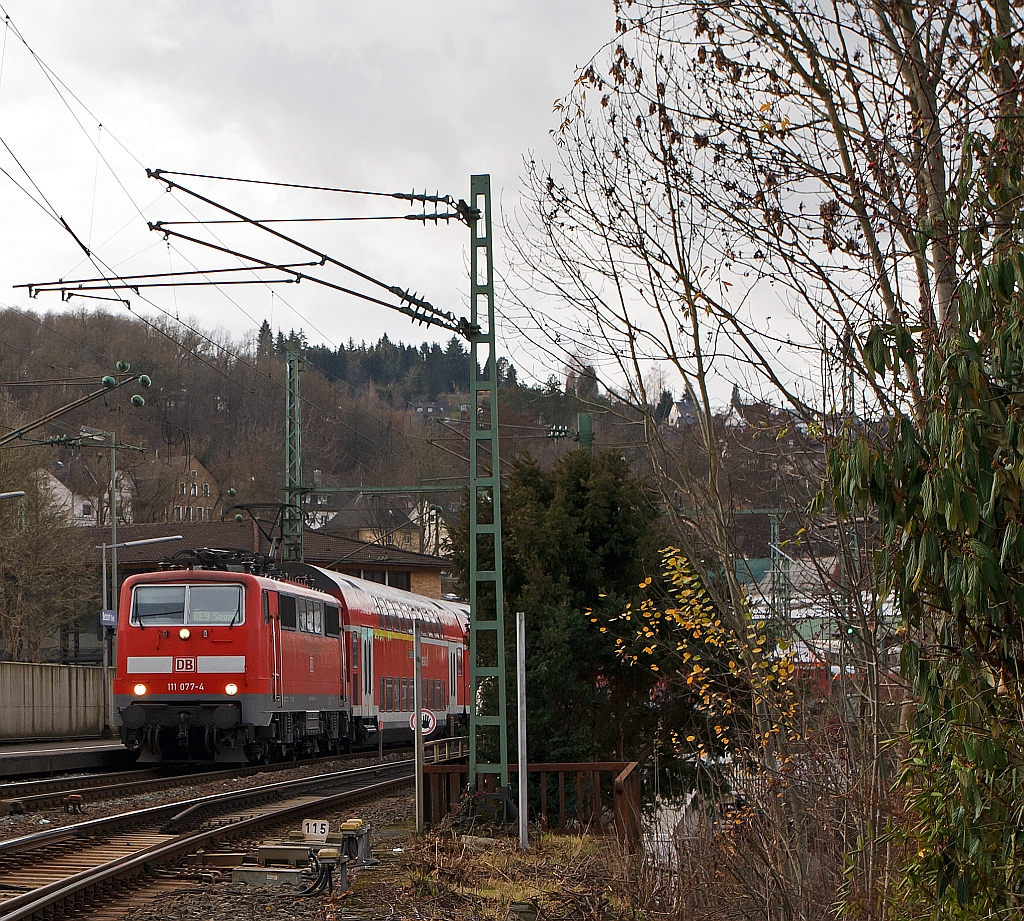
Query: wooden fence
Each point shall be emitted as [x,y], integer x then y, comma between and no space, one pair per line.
[595,797]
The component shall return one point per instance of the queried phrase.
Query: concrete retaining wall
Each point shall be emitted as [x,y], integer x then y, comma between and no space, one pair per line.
[50,701]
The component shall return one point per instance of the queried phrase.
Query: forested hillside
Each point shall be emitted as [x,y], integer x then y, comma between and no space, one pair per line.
[222,400]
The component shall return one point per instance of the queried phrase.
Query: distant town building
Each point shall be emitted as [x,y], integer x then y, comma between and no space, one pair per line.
[683,412]
[176,488]
[438,410]
[79,485]
[408,522]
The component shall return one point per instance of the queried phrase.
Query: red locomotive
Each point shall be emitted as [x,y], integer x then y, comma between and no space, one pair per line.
[242,662]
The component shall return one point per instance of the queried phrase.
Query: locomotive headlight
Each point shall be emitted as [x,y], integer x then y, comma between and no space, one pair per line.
[184,633]
[140,690]
[231,689]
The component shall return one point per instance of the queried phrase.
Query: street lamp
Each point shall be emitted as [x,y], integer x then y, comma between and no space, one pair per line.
[106,626]
[98,435]
[18,494]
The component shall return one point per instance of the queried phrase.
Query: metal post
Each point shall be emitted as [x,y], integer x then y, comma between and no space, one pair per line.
[292,527]
[417,678]
[524,838]
[488,749]
[106,654]
[104,547]
[114,594]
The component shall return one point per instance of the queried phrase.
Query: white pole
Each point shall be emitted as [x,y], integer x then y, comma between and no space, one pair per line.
[113,519]
[524,839]
[417,680]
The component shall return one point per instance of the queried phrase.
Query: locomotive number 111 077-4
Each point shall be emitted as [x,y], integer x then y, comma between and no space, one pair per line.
[184,686]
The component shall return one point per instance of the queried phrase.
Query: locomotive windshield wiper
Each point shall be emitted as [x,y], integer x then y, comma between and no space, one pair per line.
[238,610]
[141,616]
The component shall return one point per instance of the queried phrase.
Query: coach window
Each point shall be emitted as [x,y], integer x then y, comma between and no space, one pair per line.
[332,620]
[287,611]
[458,661]
[318,618]
[381,704]
[266,607]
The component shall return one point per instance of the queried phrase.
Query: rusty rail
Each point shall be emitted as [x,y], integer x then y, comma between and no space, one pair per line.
[564,797]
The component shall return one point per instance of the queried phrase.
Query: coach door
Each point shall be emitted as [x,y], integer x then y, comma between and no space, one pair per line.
[452,684]
[367,668]
[361,654]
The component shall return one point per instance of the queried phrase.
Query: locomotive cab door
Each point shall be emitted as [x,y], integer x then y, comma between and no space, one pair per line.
[272,618]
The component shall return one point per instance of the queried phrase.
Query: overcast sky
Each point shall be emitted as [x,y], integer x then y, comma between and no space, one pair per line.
[389,97]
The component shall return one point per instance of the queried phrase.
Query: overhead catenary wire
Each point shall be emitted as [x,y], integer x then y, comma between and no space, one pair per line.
[109,275]
[405,196]
[63,91]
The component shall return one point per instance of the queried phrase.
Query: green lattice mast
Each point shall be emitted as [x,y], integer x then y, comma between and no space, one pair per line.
[291,542]
[488,731]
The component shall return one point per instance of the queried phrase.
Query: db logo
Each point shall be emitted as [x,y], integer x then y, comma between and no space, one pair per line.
[184,664]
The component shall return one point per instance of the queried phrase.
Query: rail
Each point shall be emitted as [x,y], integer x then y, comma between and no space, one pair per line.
[177,814]
[22,797]
[596,797]
[70,894]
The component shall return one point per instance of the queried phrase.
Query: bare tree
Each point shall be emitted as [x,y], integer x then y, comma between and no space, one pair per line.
[47,577]
[744,190]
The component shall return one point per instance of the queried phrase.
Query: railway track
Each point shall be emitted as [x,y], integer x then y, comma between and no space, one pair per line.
[20,797]
[29,796]
[67,869]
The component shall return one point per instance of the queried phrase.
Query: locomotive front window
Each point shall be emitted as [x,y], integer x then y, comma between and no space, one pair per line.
[218,605]
[158,604]
[205,605]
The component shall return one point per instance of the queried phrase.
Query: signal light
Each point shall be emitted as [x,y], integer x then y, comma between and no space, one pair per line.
[140,690]
[184,633]
[231,690]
